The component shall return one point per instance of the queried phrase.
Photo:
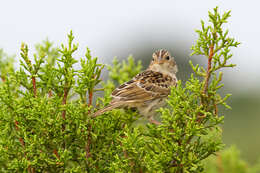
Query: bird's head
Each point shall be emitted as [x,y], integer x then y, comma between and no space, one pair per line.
[163,62]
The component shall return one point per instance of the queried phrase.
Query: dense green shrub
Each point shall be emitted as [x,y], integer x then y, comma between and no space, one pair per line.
[46,107]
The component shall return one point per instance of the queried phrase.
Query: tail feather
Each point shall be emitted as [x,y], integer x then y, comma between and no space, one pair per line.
[105,109]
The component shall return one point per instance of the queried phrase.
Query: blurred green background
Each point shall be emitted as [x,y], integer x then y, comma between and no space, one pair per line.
[119,28]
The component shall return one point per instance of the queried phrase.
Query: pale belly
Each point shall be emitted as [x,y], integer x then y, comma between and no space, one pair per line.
[148,108]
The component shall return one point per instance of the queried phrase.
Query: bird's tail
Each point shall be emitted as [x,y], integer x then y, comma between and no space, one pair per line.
[108,108]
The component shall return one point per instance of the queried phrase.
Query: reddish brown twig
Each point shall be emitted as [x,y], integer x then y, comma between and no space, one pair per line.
[219,164]
[34,86]
[90,97]
[88,154]
[17,128]
[30,169]
[131,163]
[21,140]
[64,101]
[56,153]
[3,78]
[124,151]
[206,81]
[50,94]
[216,109]
[87,148]
[16,125]
[211,53]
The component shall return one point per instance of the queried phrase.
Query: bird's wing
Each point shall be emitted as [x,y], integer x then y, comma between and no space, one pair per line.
[145,86]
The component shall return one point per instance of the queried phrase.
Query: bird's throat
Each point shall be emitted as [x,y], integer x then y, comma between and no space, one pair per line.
[162,68]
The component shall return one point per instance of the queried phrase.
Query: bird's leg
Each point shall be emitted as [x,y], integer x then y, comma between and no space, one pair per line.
[149,112]
[151,120]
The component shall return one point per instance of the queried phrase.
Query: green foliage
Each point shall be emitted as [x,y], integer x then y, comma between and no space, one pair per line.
[45,123]
[88,76]
[46,108]
[122,72]
[214,42]
[229,161]
[6,64]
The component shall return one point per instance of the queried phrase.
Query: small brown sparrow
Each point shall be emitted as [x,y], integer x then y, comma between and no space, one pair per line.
[148,90]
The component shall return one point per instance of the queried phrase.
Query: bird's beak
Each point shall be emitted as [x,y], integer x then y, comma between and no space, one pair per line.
[160,60]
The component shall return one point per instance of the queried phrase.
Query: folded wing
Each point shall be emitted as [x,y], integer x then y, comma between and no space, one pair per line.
[146,86]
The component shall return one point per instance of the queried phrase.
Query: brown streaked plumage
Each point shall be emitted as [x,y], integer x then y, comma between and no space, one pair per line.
[148,90]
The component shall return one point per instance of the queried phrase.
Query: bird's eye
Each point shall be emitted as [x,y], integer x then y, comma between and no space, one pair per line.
[167,57]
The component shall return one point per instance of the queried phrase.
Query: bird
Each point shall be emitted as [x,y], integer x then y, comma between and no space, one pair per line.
[148,90]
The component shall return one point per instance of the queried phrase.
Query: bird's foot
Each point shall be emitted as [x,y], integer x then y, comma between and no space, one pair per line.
[154,122]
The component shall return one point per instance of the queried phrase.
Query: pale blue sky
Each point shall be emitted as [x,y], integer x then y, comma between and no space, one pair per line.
[107,26]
